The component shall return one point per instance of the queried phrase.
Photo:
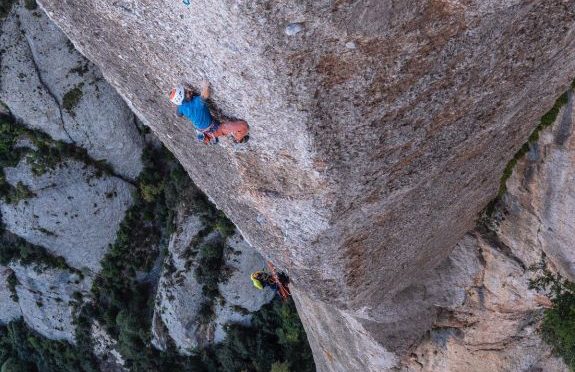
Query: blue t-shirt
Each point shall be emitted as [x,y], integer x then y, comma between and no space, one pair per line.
[196,110]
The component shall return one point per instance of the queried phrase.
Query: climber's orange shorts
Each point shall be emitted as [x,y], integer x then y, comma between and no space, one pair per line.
[238,129]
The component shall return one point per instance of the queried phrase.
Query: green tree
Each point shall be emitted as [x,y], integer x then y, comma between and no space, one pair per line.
[558,326]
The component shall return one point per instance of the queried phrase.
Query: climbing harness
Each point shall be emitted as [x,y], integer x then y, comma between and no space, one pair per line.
[206,135]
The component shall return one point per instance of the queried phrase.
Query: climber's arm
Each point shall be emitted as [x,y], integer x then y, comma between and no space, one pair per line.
[205,92]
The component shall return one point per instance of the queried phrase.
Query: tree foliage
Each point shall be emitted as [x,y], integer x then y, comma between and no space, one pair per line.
[558,326]
[22,349]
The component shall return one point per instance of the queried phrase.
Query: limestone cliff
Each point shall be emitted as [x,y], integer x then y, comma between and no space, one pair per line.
[379,131]
[496,325]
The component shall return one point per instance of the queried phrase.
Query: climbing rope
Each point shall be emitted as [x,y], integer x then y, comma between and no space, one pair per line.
[282,290]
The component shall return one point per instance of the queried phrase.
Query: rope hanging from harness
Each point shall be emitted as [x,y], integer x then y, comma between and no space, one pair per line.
[282,290]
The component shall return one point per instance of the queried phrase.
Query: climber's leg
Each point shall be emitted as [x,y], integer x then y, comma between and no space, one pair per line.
[238,129]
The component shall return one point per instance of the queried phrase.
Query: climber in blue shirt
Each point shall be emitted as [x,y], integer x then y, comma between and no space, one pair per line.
[195,109]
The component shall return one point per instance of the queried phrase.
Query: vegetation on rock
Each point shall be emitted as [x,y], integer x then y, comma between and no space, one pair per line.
[43,154]
[22,349]
[276,338]
[546,120]
[30,4]
[72,98]
[558,326]
[14,248]
[5,7]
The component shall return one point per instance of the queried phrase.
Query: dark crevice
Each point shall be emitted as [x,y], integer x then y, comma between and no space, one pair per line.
[123,178]
[492,238]
[564,128]
[45,85]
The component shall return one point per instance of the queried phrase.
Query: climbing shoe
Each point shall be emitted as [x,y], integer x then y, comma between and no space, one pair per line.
[244,140]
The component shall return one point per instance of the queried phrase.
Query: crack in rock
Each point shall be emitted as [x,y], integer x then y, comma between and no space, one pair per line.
[45,85]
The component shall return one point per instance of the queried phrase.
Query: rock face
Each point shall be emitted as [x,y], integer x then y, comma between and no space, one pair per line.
[495,326]
[75,208]
[9,309]
[46,297]
[379,130]
[49,86]
[477,303]
[179,297]
[541,198]
[75,213]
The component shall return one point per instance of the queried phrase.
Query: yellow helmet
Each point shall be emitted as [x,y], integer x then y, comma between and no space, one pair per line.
[257,283]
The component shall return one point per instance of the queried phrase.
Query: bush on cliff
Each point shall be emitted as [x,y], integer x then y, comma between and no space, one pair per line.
[208,272]
[558,326]
[5,7]
[275,337]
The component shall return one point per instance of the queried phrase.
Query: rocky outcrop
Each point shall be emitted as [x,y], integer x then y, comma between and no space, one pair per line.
[75,213]
[179,301]
[105,349]
[49,86]
[240,297]
[379,130]
[73,203]
[540,203]
[179,296]
[240,261]
[48,298]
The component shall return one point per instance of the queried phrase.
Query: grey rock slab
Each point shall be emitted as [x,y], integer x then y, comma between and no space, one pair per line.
[179,294]
[242,259]
[105,346]
[9,309]
[75,214]
[46,297]
[226,314]
[21,88]
[40,67]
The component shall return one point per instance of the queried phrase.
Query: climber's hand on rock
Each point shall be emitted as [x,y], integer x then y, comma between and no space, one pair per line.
[205,89]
